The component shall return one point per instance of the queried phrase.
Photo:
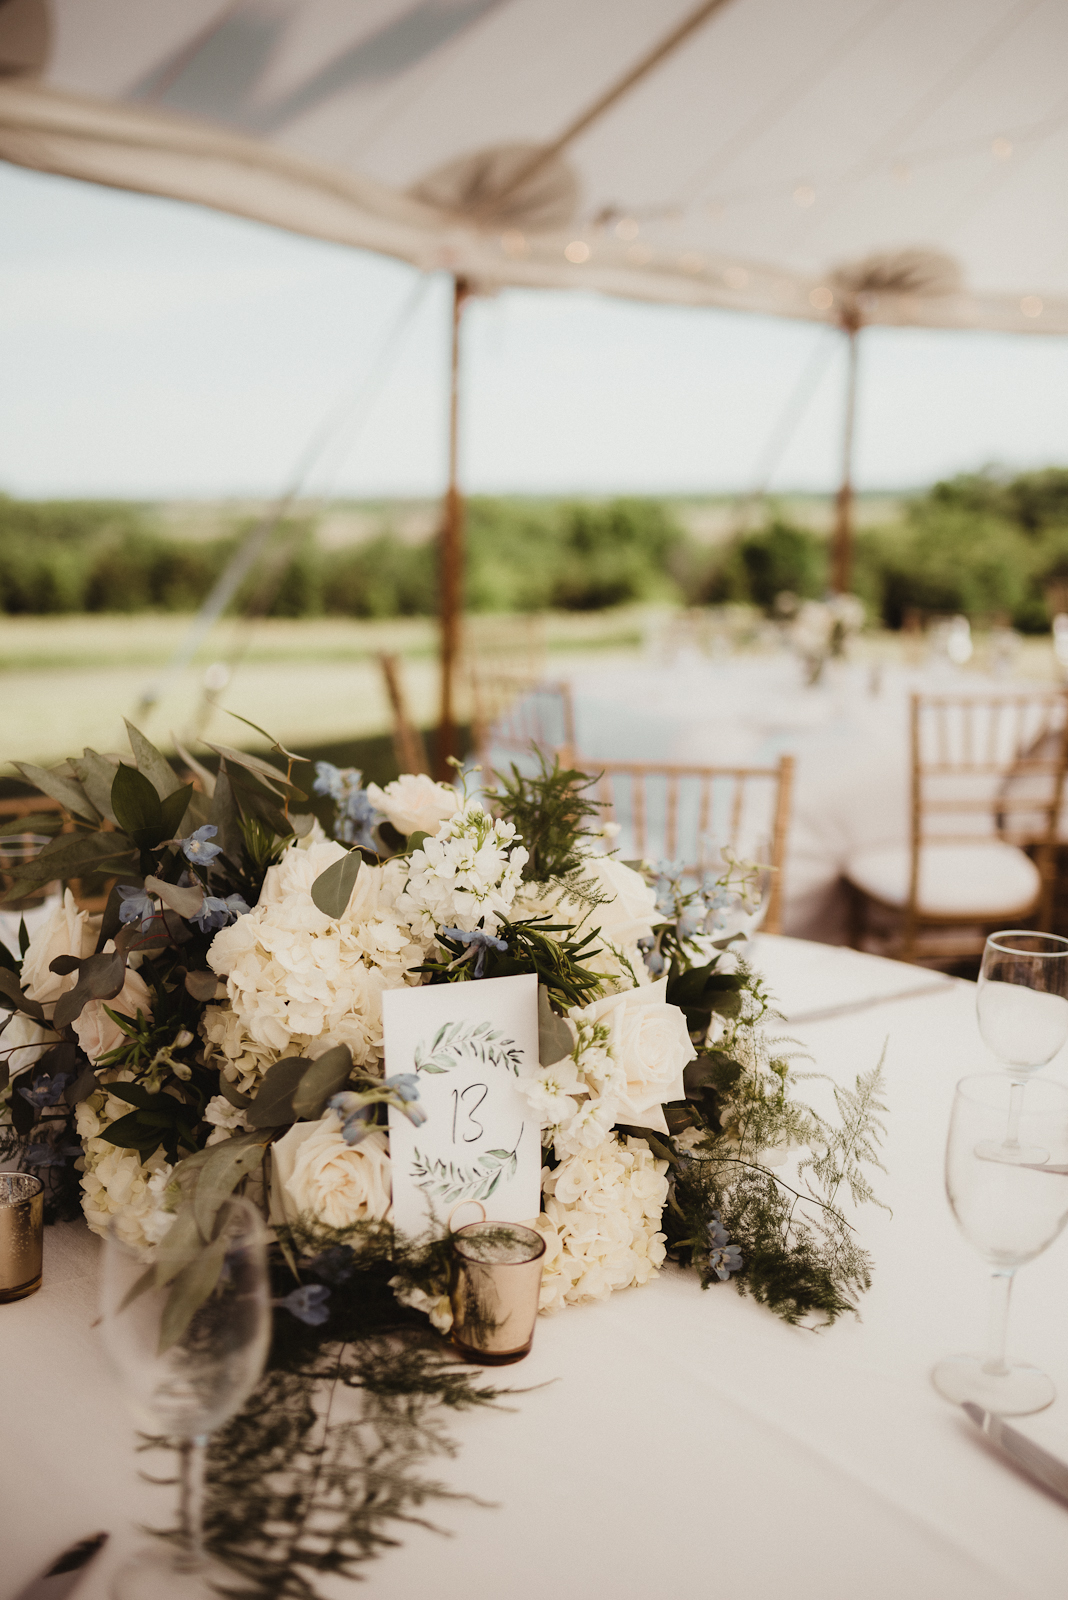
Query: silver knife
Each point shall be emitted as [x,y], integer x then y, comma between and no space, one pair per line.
[57,1581]
[1046,1469]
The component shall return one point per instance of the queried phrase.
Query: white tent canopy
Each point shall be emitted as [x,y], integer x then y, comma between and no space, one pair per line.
[881,161]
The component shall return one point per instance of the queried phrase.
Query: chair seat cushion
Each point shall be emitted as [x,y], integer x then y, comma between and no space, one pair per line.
[955,879]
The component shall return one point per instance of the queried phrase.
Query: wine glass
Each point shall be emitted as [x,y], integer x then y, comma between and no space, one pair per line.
[1022,1003]
[1010,1212]
[187,1390]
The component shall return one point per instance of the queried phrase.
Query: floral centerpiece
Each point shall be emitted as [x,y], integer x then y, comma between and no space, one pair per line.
[220,1025]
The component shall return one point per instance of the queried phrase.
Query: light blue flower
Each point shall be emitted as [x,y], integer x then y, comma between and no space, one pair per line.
[46,1090]
[137,906]
[330,781]
[50,1155]
[197,848]
[356,1118]
[309,1303]
[477,939]
[405,1085]
[219,913]
[655,962]
[356,816]
[723,1257]
[335,1265]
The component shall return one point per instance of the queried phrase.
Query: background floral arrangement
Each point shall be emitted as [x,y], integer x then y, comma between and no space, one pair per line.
[227,1004]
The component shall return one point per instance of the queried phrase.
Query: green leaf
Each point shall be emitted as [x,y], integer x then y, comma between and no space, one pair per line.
[134,1132]
[11,991]
[327,1075]
[99,978]
[96,774]
[207,778]
[192,1286]
[202,985]
[152,763]
[273,1104]
[224,1169]
[415,840]
[275,744]
[84,1085]
[69,793]
[264,771]
[224,815]
[180,1244]
[71,855]
[22,1115]
[174,808]
[555,1039]
[7,960]
[39,822]
[5,1075]
[135,803]
[332,889]
[24,938]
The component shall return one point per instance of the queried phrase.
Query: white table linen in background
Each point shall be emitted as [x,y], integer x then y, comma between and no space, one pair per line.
[682,1442]
[851,783]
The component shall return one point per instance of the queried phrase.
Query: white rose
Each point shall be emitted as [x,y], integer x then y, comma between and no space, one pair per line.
[95,1031]
[649,1043]
[24,1042]
[315,1173]
[630,913]
[68,932]
[415,803]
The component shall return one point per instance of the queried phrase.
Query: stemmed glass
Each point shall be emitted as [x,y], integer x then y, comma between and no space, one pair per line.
[1022,1002]
[1010,1213]
[189,1389]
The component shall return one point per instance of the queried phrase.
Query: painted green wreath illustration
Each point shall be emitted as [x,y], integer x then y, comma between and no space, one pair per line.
[468,1043]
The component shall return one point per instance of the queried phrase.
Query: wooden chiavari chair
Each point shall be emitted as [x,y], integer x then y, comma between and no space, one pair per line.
[514,716]
[32,805]
[683,813]
[986,788]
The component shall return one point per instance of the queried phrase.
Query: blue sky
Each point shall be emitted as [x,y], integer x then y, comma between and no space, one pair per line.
[151,349]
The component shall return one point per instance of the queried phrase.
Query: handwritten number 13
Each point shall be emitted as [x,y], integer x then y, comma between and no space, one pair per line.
[461,1096]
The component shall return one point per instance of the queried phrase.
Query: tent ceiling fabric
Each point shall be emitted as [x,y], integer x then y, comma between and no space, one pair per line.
[901,162]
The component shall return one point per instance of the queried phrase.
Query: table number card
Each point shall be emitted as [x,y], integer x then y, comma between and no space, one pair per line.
[468,1044]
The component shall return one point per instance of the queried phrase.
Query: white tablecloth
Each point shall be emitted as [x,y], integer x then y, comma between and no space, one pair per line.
[850,744]
[682,1442]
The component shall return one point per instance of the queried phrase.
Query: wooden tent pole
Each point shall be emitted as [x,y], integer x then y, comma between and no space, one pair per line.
[842,541]
[451,555]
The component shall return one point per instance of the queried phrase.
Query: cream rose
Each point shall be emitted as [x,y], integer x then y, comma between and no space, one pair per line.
[649,1044]
[315,1173]
[23,1042]
[631,912]
[415,803]
[95,1031]
[68,932]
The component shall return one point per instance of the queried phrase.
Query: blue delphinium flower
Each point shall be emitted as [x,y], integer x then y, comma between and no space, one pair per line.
[50,1155]
[309,1303]
[356,816]
[405,1086]
[196,847]
[46,1089]
[723,1257]
[477,939]
[356,1118]
[335,1265]
[137,906]
[219,913]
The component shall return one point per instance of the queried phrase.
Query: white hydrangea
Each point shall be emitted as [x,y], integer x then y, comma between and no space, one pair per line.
[119,1190]
[601,1221]
[225,1118]
[300,982]
[467,874]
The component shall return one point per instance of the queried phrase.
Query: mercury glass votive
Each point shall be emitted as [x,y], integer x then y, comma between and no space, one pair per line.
[21,1230]
[496,1282]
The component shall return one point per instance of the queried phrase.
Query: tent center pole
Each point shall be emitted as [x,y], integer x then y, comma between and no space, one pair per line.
[842,539]
[451,556]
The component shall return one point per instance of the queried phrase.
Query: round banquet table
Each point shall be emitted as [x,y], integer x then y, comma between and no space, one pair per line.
[671,1441]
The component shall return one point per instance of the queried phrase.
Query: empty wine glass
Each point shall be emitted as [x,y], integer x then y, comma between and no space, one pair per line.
[1022,1002]
[1010,1212]
[189,1388]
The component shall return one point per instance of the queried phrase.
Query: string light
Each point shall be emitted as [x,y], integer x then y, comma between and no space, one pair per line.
[821,298]
[1001,149]
[627,228]
[577,252]
[804,195]
[1031,305]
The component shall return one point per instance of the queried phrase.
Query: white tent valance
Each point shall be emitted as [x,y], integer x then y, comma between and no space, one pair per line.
[899,162]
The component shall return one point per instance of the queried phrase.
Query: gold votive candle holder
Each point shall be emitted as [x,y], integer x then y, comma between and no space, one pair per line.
[21,1234]
[496,1281]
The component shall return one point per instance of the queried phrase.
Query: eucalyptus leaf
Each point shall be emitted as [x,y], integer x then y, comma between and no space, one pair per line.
[263,771]
[197,813]
[35,822]
[152,763]
[190,1289]
[96,774]
[555,1038]
[135,803]
[224,816]
[187,902]
[302,823]
[173,809]
[207,779]
[179,1245]
[84,1085]
[416,840]
[275,744]
[99,978]
[327,1075]
[228,1163]
[7,959]
[11,991]
[202,985]
[332,889]
[71,855]
[67,791]
[273,1104]
[234,1096]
